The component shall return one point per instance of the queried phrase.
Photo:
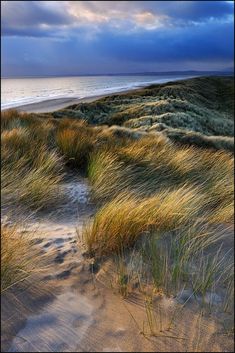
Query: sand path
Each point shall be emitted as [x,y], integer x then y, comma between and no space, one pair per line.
[69,308]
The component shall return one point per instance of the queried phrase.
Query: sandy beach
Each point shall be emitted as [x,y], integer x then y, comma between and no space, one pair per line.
[52,105]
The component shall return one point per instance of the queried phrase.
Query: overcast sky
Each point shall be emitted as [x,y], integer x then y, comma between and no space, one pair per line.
[85,37]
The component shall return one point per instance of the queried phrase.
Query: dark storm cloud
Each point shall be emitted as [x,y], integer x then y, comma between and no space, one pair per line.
[46,18]
[75,37]
[203,42]
[198,10]
[32,18]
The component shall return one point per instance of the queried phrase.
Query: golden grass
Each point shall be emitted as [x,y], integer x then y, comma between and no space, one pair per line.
[11,119]
[155,163]
[31,170]
[147,184]
[18,258]
[105,173]
[121,221]
[34,187]
[132,177]
[75,145]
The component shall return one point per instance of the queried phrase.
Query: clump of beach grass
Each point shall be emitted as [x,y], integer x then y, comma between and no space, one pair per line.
[75,144]
[170,198]
[105,172]
[31,169]
[152,163]
[122,220]
[18,257]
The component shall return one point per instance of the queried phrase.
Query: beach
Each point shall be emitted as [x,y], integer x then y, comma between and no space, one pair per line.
[48,94]
[52,105]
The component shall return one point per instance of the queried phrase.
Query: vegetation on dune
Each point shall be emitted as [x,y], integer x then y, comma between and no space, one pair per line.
[75,143]
[184,137]
[157,169]
[141,170]
[191,111]
[151,164]
[18,258]
[31,168]
[121,221]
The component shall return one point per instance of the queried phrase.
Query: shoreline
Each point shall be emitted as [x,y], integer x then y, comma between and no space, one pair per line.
[54,104]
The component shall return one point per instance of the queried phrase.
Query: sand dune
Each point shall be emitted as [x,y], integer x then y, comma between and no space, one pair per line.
[78,300]
[69,308]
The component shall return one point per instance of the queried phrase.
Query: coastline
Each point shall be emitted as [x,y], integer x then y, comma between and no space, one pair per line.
[54,104]
[51,105]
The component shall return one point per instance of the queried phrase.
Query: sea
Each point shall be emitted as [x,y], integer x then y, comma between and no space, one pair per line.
[19,91]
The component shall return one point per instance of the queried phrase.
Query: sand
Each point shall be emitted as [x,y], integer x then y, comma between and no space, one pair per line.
[70,307]
[52,105]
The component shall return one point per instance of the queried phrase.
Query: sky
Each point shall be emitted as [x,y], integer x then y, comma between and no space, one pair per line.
[41,38]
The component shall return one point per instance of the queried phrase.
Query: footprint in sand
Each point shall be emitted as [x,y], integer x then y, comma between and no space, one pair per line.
[61,256]
[59,327]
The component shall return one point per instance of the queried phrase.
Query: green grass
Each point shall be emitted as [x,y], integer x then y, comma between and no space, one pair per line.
[191,138]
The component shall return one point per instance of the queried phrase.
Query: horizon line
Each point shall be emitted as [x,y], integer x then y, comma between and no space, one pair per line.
[231,71]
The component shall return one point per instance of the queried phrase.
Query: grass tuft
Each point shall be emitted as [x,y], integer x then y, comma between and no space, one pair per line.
[18,258]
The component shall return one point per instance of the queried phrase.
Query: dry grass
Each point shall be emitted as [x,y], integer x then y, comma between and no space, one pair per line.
[75,145]
[121,221]
[18,258]
[31,168]
[151,185]
[105,173]
[146,183]
[185,137]
[152,163]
